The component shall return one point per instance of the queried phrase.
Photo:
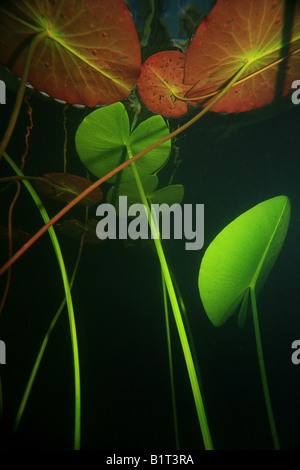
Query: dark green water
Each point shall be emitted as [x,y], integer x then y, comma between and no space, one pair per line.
[230,163]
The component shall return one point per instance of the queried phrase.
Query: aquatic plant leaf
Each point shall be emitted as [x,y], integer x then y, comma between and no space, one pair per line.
[241,257]
[75,229]
[235,32]
[161,83]
[66,187]
[103,138]
[90,55]
[243,310]
[144,135]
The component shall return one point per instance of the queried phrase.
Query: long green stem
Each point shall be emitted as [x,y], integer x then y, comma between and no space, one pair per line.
[43,347]
[173,395]
[177,315]
[187,328]
[263,371]
[71,315]
[21,91]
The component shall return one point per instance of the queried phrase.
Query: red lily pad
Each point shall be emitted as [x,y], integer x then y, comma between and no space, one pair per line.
[90,53]
[75,229]
[160,85]
[234,33]
[66,187]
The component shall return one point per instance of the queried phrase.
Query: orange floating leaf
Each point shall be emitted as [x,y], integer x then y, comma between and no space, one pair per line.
[91,52]
[160,85]
[262,33]
[66,187]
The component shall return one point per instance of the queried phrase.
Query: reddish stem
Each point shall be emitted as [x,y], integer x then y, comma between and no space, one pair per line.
[119,168]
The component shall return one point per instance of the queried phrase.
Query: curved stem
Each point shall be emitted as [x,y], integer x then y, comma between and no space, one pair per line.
[116,170]
[187,329]
[173,395]
[71,315]
[263,371]
[21,91]
[177,315]
[238,82]
[43,346]
[10,246]
[40,179]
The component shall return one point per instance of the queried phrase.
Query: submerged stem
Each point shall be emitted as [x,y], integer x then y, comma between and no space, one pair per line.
[175,419]
[177,315]
[43,346]
[40,179]
[263,371]
[70,309]
[21,91]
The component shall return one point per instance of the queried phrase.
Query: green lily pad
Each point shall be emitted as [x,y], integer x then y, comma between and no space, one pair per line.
[241,257]
[103,138]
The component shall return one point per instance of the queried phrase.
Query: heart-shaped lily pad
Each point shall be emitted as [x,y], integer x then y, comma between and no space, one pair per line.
[103,140]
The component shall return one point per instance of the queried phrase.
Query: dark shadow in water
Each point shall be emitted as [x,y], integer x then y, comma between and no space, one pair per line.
[289,13]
